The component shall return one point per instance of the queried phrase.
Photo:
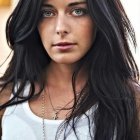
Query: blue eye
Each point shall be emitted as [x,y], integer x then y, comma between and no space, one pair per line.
[47,13]
[79,11]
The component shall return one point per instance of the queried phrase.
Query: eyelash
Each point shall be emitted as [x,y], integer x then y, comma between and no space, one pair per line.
[83,10]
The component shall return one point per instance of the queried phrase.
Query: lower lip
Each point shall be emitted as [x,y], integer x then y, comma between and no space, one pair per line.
[66,47]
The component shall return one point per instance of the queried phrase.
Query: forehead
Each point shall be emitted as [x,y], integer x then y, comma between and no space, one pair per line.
[63,2]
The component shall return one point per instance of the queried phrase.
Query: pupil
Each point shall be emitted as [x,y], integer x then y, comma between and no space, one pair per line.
[78,11]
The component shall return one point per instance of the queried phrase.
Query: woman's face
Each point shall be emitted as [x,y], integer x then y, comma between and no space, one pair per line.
[66,30]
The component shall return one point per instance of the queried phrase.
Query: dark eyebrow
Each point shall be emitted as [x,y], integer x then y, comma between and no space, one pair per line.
[76,3]
[69,5]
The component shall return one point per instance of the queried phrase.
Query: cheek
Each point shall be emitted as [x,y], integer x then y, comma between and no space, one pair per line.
[44,32]
[41,32]
[86,32]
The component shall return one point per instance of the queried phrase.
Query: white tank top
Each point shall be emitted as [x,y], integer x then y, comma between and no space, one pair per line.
[20,123]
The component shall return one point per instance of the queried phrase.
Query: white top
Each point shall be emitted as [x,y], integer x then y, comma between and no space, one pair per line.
[20,123]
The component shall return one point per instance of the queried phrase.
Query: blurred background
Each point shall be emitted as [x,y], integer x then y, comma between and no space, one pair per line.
[6,7]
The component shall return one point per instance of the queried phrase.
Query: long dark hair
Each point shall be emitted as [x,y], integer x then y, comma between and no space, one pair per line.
[110,67]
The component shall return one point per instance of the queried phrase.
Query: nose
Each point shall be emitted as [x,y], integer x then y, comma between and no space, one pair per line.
[62,26]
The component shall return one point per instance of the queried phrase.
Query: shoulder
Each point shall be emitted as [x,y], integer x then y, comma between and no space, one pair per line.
[136,88]
[4,96]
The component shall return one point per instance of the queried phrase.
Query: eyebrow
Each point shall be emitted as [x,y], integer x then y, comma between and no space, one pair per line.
[69,5]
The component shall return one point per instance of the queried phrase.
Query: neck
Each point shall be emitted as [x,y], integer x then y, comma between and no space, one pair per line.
[60,75]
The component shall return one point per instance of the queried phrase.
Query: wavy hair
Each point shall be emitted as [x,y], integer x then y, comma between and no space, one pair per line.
[109,65]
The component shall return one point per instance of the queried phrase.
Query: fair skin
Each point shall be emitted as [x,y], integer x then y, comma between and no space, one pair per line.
[64,26]
[61,22]
[63,62]
[65,21]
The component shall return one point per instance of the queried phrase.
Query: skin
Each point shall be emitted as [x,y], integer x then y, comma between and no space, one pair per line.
[64,26]
[62,23]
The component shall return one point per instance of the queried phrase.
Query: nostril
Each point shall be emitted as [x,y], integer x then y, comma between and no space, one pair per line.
[61,32]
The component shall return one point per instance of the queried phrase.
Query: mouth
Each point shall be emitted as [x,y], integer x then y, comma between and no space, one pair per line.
[64,45]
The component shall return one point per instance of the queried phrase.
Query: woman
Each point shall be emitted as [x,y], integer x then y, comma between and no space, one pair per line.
[72,75]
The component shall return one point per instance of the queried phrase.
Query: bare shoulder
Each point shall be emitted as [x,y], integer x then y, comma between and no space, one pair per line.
[136,87]
[4,96]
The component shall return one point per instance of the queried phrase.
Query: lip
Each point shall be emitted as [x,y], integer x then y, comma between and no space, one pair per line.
[63,46]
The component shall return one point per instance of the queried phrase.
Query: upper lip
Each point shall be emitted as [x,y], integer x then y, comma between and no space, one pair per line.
[63,44]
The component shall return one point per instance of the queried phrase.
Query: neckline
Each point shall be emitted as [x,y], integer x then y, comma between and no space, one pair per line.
[33,116]
[30,114]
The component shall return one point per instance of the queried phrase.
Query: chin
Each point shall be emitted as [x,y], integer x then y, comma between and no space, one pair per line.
[66,61]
